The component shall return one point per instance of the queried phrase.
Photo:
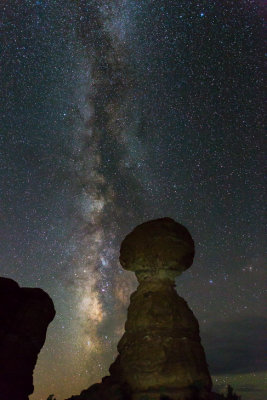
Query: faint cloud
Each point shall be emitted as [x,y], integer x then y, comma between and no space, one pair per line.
[237,346]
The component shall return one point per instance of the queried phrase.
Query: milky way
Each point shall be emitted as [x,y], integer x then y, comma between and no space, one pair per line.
[116,112]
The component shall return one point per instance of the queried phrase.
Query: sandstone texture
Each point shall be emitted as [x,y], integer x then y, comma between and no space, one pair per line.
[160,351]
[158,249]
[25,314]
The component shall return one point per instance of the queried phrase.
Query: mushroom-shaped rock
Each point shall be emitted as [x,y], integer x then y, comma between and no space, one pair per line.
[160,249]
[160,351]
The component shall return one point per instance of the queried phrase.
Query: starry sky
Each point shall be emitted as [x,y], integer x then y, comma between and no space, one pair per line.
[114,113]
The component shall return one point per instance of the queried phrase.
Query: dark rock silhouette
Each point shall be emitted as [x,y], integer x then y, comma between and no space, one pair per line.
[160,353]
[229,396]
[25,314]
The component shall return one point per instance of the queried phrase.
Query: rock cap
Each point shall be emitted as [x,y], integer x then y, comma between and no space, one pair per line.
[157,249]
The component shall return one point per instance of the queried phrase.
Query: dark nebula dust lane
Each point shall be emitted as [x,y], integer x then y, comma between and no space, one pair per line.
[113,113]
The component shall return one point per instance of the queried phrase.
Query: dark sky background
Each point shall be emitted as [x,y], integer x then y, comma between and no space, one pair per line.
[116,112]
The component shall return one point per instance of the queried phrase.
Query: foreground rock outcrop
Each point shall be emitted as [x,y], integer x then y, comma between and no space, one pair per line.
[25,314]
[160,353]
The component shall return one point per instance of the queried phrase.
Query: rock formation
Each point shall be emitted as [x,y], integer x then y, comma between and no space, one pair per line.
[25,314]
[160,353]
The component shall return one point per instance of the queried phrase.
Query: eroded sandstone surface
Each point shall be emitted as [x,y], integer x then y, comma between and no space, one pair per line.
[161,353]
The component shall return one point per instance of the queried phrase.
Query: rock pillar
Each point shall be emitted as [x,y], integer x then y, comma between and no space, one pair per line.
[160,353]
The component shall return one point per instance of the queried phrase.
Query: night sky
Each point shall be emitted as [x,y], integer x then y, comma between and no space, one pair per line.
[114,113]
